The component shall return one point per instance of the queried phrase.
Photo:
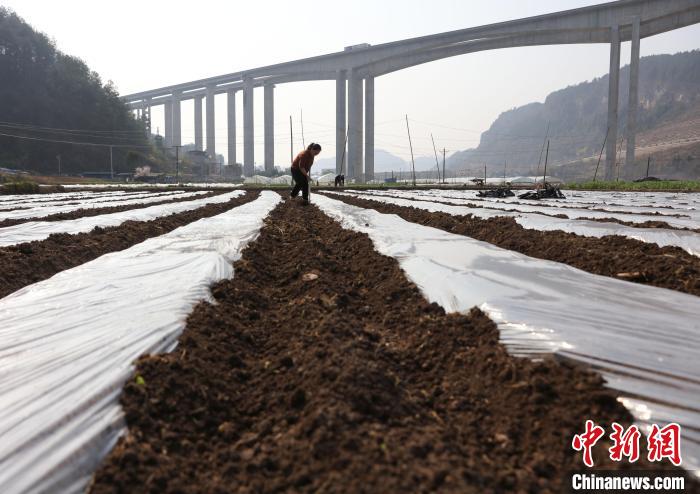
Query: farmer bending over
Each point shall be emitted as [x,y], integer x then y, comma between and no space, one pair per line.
[301,167]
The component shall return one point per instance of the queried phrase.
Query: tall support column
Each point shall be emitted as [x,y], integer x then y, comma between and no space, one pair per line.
[633,96]
[147,112]
[269,127]
[198,123]
[168,117]
[177,119]
[231,103]
[354,127]
[211,122]
[248,134]
[340,123]
[369,128]
[613,93]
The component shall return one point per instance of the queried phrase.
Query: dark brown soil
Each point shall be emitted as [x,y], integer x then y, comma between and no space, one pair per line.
[82,213]
[614,256]
[349,382]
[27,263]
[646,224]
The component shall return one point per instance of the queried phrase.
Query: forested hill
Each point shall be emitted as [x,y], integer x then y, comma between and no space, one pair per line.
[43,89]
[669,86]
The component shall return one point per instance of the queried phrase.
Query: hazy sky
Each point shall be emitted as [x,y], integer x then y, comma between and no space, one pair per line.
[147,44]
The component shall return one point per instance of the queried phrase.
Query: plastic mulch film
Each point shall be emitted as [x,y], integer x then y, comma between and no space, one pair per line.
[12,198]
[684,219]
[644,340]
[40,230]
[686,240]
[67,344]
[40,211]
[49,200]
[213,185]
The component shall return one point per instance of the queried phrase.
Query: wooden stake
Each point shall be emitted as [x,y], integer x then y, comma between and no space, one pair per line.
[413,163]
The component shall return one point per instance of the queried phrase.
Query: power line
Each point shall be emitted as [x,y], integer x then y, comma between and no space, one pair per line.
[57,141]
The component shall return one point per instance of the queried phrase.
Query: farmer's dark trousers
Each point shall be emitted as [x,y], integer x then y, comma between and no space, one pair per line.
[301,183]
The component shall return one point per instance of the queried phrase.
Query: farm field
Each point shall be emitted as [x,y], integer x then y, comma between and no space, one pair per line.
[391,340]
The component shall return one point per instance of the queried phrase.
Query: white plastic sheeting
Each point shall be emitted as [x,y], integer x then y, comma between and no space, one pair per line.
[7,200]
[679,218]
[257,179]
[140,185]
[40,211]
[54,199]
[39,230]
[67,344]
[686,240]
[645,340]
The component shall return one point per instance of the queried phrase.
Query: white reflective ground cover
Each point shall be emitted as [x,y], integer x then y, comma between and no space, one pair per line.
[67,344]
[41,211]
[645,340]
[678,219]
[87,197]
[686,240]
[22,198]
[39,230]
[212,185]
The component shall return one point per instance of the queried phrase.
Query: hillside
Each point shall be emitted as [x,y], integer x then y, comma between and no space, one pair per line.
[42,90]
[669,93]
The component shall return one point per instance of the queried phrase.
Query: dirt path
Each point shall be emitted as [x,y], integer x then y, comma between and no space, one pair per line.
[348,382]
[613,256]
[82,213]
[30,262]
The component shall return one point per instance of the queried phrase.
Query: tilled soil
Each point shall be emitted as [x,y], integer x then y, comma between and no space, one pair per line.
[614,256]
[645,224]
[82,213]
[321,368]
[27,263]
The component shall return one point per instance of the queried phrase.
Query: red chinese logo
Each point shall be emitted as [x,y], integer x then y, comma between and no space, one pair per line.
[587,440]
[661,443]
[624,443]
[665,443]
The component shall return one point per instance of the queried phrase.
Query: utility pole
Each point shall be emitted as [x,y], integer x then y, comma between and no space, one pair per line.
[111,162]
[546,158]
[58,157]
[648,161]
[601,153]
[177,163]
[436,160]
[303,141]
[291,141]
[443,166]
[413,163]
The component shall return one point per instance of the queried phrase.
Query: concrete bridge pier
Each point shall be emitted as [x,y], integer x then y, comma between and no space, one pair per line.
[369,129]
[231,107]
[168,117]
[633,103]
[177,119]
[269,117]
[613,93]
[355,93]
[340,123]
[211,121]
[248,131]
[198,142]
[146,115]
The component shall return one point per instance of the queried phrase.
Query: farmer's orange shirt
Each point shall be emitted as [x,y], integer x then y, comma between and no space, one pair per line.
[303,160]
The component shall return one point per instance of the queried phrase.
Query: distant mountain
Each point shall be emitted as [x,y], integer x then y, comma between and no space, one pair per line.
[669,89]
